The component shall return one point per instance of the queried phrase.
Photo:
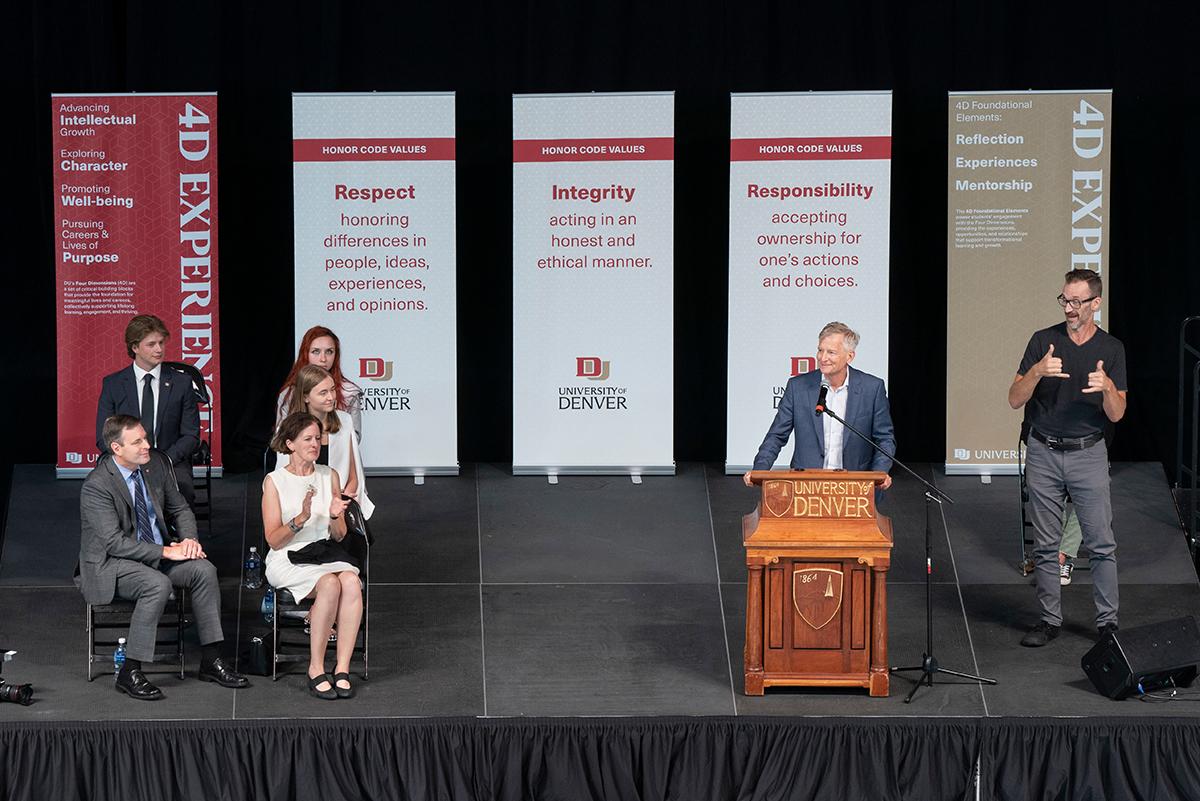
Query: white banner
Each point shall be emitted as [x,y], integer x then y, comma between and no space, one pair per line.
[375,262]
[593,267]
[809,209]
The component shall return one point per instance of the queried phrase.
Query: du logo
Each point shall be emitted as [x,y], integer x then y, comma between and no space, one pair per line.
[74,458]
[803,364]
[592,368]
[375,369]
[961,454]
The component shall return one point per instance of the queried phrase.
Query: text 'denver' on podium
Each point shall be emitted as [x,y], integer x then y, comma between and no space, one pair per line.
[817,556]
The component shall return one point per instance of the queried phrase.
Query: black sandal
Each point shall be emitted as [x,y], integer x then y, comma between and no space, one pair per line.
[343,692]
[327,695]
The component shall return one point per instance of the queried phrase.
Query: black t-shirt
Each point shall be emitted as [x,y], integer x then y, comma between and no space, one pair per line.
[1059,407]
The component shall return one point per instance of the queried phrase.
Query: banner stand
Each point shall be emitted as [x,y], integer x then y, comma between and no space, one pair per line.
[593,284]
[809,241]
[135,189]
[374,177]
[1027,201]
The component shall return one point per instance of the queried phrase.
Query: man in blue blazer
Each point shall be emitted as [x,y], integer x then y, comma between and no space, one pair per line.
[160,397]
[821,441]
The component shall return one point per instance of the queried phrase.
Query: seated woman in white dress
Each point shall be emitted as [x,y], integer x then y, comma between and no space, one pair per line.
[302,503]
[313,392]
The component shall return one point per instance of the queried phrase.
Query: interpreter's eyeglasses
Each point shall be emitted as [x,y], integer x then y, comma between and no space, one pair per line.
[1073,303]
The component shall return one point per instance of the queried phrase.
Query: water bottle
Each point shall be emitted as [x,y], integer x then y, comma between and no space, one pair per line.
[268,605]
[254,576]
[118,657]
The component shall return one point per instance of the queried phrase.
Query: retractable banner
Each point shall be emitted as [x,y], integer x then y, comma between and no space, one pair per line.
[809,218]
[135,232]
[1027,202]
[375,262]
[593,272]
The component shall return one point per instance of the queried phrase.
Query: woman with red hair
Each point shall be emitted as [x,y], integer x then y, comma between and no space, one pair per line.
[321,347]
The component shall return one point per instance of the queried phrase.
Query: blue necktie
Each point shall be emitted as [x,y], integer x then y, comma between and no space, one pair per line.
[144,532]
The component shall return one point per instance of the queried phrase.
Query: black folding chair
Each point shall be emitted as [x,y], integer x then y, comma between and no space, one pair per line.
[203,455]
[288,638]
[107,622]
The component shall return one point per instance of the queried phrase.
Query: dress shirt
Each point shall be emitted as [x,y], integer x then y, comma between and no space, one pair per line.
[139,375]
[129,482]
[835,431]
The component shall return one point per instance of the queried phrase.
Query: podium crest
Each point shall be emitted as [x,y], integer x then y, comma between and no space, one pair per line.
[817,594]
[777,497]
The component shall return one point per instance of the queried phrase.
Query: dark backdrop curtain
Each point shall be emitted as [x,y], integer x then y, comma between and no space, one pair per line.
[255,54]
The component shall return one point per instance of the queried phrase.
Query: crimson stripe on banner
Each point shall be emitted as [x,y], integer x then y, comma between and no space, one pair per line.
[643,148]
[823,148]
[410,149]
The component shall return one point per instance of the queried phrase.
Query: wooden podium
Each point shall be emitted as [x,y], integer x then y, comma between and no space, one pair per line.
[817,556]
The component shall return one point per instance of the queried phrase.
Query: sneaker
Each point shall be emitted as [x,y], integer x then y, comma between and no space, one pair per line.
[1039,635]
[1106,629]
[1064,572]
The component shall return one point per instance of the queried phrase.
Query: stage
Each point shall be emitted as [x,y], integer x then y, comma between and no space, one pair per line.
[603,621]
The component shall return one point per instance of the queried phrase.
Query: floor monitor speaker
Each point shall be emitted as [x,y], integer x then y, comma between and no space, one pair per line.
[1146,658]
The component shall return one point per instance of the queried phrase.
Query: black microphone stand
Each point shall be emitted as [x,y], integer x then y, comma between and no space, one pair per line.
[929,664]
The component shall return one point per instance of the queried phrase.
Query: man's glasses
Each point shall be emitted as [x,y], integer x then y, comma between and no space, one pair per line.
[1073,303]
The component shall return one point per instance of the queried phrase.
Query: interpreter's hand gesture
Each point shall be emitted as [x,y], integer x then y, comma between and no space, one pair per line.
[1051,366]
[1097,380]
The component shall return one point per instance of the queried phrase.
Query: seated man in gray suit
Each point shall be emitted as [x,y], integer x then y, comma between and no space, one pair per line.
[138,539]
[855,396]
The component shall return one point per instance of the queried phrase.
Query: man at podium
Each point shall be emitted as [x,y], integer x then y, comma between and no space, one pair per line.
[857,397]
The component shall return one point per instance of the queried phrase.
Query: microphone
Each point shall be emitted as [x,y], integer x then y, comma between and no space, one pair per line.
[820,409]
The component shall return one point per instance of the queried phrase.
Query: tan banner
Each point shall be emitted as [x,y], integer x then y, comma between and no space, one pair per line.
[1028,199]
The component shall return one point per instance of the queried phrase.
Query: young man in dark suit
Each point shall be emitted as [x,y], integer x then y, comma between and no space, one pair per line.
[162,398]
[822,442]
[138,540]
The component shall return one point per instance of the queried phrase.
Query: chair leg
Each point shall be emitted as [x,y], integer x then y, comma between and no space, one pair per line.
[208,494]
[91,642]
[180,603]
[275,641]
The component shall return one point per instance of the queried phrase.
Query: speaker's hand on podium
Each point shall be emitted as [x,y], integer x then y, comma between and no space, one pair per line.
[887,483]
[746,479]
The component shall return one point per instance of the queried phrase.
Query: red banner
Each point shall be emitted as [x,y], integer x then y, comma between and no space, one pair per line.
[827,148]
[426,149]
[653,148]
[135,232]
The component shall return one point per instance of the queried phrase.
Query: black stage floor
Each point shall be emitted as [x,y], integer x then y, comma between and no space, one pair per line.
[497,596]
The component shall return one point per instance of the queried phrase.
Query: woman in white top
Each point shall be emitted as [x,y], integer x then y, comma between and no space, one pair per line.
[314,392]
[302,503]
[321,347]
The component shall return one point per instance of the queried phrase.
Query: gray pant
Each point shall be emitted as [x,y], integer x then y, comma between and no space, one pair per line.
[150,589]
[1051,476]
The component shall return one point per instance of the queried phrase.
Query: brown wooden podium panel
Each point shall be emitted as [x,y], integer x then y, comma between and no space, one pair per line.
[817,556]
